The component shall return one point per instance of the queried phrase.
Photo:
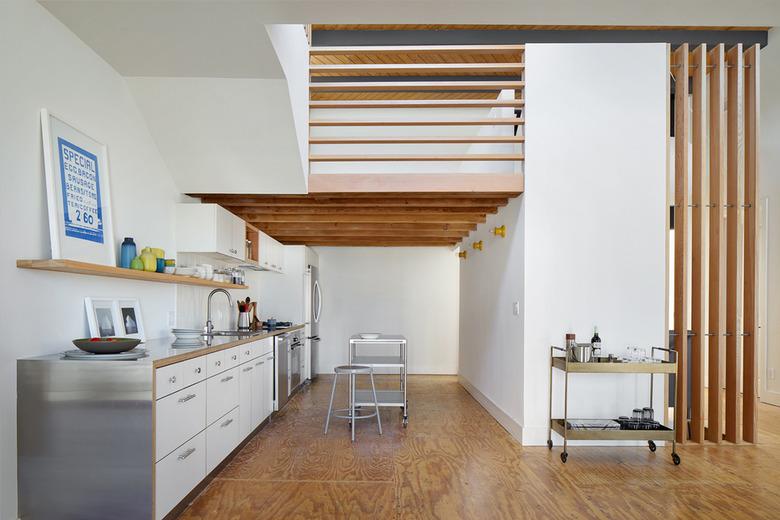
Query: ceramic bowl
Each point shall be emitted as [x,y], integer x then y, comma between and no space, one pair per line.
[185,271]
[106,345]
[370,335]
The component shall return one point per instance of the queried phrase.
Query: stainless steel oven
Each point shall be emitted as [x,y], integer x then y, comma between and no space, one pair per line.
[294,358]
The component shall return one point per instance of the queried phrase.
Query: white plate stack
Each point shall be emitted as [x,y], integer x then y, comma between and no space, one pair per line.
[187,337]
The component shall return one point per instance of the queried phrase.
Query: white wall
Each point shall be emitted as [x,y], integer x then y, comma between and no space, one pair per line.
[769,190]
[595,214]
[491,335]
[45,65]
[398,290]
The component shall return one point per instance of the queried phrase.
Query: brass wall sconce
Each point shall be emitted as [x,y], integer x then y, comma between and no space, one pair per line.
[463,254]
[477,245]
[500,231]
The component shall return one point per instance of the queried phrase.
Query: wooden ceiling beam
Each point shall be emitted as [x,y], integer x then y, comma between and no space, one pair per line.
[372,242]
[379,217]
[293,227]
[389,69]
[477,139]
[413,158]
[418,103]
[410,182]
[335,233]
[368,86]
[273,202]
[416,49]
[251,211]
[492,121]
[363,195]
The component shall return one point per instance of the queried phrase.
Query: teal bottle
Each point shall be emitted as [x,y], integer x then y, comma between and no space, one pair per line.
[127,253]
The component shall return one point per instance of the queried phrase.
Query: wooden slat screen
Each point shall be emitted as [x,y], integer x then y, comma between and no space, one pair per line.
[719,118]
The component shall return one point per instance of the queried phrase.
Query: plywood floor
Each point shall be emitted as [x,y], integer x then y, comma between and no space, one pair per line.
[454,461]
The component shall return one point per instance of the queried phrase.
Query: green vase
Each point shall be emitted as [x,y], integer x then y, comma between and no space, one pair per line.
[137,264]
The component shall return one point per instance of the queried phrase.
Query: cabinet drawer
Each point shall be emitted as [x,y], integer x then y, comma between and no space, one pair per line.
[178,473]
[221,438]
[179,417]
[221,394]
[249,351]
[179,375]
[215,363]
[233,357]
[265,346]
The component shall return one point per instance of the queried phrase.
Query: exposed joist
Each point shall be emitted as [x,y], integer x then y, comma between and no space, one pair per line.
[405,158]
[368,86]
[497,121]
[388,69]
[508,139]
[345,202]
[289,227]
[698,162]
[368,217]
[418,103]
[388,233]
[364,195]
[717,243]
[411,182]
[250,211]
[735,171]
[749,325]
[417,49]
[681,125]
[374,242]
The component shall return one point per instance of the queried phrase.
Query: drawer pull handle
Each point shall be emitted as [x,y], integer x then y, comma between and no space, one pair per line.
[226,423]
[186,453]
[235,356]
[246,352]
[247,369]
[226,379]
[258,363]
[172,380]
[187,398]
[197,370]
[218,363]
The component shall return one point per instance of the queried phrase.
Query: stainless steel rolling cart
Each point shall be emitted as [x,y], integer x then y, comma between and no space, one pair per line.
[609,366]
[398,397]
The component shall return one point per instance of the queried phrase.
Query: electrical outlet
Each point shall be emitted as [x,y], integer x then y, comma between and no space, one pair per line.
[516,308]
[171,318]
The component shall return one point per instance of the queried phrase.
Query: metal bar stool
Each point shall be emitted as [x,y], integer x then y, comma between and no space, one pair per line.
[353,371]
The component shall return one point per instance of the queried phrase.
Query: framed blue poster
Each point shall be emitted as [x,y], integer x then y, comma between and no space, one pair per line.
[77,188]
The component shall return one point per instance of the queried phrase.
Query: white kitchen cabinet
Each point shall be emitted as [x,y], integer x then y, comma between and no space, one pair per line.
[268,384]
[172,378]
[221,394]
[210,230]
[178,473]
[179,417]
[245,376]
[258,392]
[221,438]
[271,254]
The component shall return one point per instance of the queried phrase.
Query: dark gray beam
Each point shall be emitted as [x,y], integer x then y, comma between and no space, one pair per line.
[493,37]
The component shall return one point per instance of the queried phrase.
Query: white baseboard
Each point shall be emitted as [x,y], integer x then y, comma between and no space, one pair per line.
[510,425]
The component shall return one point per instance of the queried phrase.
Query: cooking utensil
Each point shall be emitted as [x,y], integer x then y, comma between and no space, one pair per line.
[244,320]
[106,345]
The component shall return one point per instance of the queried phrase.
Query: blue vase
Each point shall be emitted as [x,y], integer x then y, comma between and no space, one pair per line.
[127,253]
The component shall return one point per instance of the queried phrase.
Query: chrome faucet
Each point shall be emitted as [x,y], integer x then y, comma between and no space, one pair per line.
[209,325]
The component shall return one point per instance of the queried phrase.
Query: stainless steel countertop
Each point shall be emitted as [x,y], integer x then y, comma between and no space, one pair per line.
[161,353]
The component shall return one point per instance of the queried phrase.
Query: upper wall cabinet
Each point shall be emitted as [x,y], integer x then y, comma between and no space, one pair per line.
[271,254]
[211,230]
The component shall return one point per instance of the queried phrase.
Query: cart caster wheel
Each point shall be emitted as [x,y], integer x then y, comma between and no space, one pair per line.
[651,445]
[676,459]
[549,444]
[564,456]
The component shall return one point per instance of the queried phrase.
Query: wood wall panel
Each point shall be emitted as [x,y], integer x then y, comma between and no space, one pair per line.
[735,167]
[681,125]
[749,329]
[716,318]
[698,72]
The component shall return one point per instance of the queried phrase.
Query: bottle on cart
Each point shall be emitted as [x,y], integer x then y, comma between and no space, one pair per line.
[595,342]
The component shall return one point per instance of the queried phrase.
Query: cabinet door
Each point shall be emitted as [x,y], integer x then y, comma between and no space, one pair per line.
[268,383]
[245,376]
[178,473]
[258,389]
[265,251]
[225,223]
[179,417]
[238,233]
[221,438]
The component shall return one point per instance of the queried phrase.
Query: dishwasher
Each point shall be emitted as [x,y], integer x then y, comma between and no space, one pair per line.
[289,350]
[295,351]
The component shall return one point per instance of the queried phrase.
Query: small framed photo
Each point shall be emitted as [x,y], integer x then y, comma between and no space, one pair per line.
[132,322]
[103,317]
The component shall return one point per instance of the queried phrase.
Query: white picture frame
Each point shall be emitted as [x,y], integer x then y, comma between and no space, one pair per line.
[132,321]
[103,317]
[78,193]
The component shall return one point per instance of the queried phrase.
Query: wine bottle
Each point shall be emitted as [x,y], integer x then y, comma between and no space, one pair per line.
[595,342]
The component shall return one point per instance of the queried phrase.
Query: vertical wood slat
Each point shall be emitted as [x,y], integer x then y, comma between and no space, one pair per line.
[681,122]
[750,354]
[717,244]
[735,165]
[698,72]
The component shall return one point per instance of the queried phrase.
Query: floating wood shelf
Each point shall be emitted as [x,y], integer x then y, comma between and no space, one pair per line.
[72,266]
